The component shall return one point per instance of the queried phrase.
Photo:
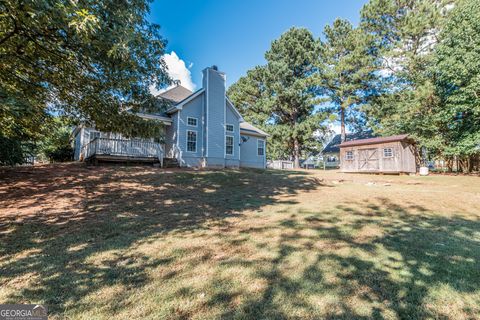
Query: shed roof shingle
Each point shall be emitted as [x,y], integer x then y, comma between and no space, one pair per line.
[362,142]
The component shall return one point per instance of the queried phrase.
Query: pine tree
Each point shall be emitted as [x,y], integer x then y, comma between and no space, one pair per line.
[281,96]
[348,69]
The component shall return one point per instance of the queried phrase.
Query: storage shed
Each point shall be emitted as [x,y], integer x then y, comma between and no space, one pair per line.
[394,154]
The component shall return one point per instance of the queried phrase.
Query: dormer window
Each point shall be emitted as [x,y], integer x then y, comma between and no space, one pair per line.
[192,122]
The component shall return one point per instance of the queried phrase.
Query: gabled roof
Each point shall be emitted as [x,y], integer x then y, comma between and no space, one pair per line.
[247,128]
[179,105]
[230,103]
[333,145]
[176,94]
[362,142]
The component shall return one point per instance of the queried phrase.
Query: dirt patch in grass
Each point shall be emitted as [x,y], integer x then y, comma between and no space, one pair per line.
[133,242]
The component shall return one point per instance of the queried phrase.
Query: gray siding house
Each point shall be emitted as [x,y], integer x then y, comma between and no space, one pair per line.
[202,129]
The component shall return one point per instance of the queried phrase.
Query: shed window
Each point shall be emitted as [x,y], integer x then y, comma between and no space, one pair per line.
[192,121]
[349,155]
[387,152]
[261,147]
[229,145]
[191,141]
[229,127]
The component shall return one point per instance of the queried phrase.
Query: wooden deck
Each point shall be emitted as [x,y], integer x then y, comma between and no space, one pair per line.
[121,150]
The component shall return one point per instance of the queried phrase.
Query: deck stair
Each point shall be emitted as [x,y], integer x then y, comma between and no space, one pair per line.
[171,163]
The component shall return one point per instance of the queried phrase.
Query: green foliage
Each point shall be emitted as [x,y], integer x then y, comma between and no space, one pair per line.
[281,96]
[406,32]
[11,151]
[457,75]
[56,145]
[92,60]
[430,50]
[348,66]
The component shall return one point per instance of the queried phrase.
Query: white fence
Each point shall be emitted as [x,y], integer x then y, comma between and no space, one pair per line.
[280,164]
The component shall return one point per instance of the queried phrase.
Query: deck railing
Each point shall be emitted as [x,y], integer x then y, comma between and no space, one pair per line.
[136,148]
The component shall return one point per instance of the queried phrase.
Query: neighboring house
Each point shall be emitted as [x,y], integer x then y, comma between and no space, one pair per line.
[202,129]
[394,154]
[331,152]
[311,162]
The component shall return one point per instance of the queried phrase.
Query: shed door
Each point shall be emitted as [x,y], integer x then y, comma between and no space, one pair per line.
[368,160]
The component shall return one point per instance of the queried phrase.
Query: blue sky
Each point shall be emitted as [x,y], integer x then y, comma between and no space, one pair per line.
[234,34]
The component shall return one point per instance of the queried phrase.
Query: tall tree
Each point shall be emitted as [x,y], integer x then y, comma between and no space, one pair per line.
[348,69]
[406,33]
[94,60]
[456,71]
[281,96]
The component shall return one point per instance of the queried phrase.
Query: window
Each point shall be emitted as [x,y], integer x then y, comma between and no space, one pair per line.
[387,152]
[261,147]
[229,145]
[191,141]
[192,121]
[331,159]
[349,155]
[229,127]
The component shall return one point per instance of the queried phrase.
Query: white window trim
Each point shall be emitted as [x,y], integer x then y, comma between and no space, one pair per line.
[229,124]
[233,145]
[349,158]
[392,152]
[196,122]
[196,141]
[263,147]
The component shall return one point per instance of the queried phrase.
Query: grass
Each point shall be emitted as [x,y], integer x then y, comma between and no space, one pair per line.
[130,243]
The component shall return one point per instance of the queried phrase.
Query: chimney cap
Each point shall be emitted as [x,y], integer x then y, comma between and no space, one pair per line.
[215,67]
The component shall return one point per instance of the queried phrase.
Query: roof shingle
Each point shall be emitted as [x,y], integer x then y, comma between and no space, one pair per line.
[362,142]
[176,94]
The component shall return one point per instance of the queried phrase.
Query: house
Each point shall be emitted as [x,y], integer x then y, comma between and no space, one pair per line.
[331,152]
[394,154]
[202,129]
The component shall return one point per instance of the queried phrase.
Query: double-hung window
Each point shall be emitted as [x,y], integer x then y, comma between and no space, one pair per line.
[229,145]
[191,141]
[192,121]
[260,147]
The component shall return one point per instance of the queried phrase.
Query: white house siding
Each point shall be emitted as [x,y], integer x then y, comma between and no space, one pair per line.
[191,109]
[248,153]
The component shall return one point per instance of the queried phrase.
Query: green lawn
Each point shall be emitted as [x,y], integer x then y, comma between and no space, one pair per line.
[134,243]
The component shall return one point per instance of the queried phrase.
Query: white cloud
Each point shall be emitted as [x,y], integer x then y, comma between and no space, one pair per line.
[336,128]
[177,70]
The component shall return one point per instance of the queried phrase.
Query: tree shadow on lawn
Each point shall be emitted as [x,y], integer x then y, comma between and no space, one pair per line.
[387,275]
[53,221]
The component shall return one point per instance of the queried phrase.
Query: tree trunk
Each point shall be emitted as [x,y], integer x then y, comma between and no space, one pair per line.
[296,153]
[342,125]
